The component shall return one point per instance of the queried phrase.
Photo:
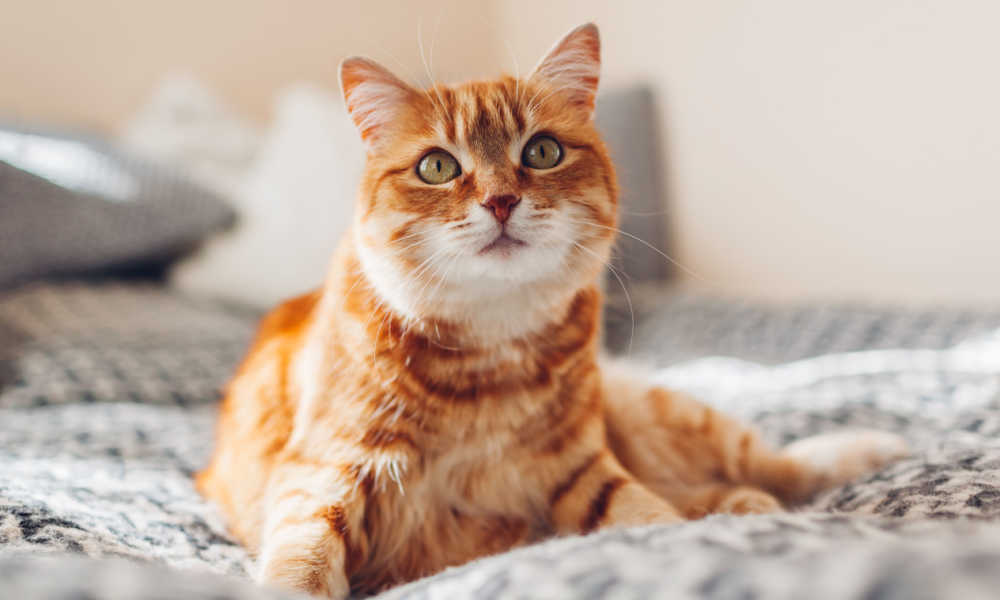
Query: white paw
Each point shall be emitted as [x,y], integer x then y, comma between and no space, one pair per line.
[302,574]
[843,456]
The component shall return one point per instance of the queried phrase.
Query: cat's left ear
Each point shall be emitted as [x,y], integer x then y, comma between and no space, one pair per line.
[573,66]
[374,97]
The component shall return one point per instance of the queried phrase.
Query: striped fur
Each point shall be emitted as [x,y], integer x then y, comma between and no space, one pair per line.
[434,402]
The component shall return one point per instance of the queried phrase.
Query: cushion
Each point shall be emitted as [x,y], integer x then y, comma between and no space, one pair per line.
[296,202]
[627,119]
[72,205]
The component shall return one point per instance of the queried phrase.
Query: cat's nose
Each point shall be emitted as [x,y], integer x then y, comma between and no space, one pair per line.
[502,206]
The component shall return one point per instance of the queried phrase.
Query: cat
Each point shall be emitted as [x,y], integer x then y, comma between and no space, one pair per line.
[441,397]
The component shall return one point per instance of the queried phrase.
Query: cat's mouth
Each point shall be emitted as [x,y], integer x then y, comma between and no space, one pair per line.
[503,244]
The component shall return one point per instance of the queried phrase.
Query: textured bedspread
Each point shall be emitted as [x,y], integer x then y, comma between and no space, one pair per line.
[107,406]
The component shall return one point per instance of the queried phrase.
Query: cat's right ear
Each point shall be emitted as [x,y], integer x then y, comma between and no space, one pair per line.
[573,66]
[374,97]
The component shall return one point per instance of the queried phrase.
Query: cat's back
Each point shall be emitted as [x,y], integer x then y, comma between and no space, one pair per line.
[287,319]
[257,413]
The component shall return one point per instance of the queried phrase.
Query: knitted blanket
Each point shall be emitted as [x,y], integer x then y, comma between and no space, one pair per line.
[107,404]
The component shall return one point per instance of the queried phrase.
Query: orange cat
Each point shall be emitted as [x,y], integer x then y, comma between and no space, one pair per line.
[440,398]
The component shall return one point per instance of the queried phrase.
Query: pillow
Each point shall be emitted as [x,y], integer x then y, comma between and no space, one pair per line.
[627,119]
[73,205]
[295,204]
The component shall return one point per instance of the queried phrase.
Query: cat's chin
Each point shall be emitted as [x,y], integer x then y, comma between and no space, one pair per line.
[503,246]
[509,262]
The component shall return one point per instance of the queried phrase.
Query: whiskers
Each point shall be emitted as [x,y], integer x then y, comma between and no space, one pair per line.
[428,279]
[617,275]
[429,284]
[663,254]
[439,106]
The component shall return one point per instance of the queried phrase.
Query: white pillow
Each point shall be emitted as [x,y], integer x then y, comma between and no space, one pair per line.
[186,125]
[296,202]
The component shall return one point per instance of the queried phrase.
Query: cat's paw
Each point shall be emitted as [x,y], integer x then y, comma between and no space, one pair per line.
[748,501]
[843,456]
[302,574]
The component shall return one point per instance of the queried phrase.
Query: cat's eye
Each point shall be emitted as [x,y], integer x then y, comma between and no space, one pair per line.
[542,152]
[438,167]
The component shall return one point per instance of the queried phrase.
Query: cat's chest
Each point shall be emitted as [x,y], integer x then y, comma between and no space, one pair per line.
[472,482]
[482,475]
[459,507]
[478,457]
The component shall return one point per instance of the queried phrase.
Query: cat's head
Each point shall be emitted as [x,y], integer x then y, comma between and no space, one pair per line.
[484,192]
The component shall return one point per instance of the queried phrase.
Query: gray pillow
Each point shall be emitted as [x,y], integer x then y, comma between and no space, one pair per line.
[73,205]
[627,120]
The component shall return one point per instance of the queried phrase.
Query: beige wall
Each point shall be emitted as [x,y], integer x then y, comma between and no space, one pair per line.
[94,61]
[846,149]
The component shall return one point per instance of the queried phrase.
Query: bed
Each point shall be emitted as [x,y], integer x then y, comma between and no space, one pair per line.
[107,400]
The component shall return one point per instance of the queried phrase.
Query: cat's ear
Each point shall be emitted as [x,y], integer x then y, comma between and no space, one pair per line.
[374,97]
[573,66]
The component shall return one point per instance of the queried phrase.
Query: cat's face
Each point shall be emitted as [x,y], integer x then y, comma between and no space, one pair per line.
[483,190]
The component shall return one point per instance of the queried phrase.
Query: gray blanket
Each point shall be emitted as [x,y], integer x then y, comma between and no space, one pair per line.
[107,397]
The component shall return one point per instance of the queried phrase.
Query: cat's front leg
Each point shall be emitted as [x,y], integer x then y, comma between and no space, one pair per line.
[311,529]
[598,492]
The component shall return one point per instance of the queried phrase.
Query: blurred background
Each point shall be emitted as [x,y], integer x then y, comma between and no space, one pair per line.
[840,151]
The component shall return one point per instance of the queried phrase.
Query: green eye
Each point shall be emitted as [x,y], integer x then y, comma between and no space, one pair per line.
[438,167]
[542,152]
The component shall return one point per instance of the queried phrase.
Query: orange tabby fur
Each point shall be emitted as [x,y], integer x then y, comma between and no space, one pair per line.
[414,414]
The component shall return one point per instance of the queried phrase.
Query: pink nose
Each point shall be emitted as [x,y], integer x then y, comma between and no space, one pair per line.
[502,206]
